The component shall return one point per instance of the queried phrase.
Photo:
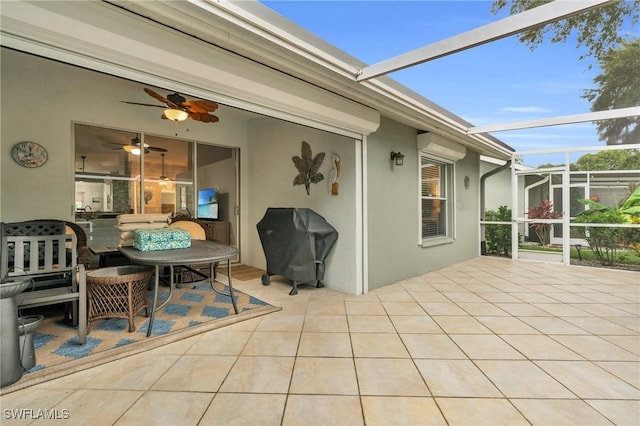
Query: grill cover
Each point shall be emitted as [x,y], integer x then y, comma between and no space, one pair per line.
[296,242]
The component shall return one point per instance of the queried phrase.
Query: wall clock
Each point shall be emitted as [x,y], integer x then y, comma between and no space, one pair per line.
[29,154]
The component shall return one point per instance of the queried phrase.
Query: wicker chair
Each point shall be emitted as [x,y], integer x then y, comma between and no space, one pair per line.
[82,249]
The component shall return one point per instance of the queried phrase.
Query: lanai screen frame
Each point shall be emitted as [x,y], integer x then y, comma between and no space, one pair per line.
[530,19]
[565,221]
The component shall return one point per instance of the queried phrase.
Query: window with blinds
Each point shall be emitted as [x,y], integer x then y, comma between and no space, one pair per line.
[435,193]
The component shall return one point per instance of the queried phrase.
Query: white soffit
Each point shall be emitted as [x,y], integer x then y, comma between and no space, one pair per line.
[532,18]
[98,36]
[439,146]
[555,121]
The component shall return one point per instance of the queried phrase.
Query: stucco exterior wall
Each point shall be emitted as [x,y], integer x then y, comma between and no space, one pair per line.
[41,101]
[497,186]
[273,144]
[394,253]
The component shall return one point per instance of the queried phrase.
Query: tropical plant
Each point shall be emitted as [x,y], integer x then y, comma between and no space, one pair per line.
[630,207]
[308,167]
[605,241]
[543,211]
[498,237]
[631,236]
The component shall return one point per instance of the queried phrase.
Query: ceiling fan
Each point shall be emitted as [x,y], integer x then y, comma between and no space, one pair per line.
[177,108]
[134,147]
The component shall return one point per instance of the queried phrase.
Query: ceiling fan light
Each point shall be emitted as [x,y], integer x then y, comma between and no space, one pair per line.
[134,151]
[176,114]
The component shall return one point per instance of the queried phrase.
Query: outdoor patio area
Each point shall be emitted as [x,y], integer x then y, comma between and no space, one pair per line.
[489,341]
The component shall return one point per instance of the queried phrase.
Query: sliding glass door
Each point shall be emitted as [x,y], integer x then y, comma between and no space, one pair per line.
[120,172]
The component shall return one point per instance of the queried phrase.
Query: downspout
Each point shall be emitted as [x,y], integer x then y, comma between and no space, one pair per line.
[483,178]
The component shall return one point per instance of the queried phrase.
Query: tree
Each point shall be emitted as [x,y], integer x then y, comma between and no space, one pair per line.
[618,87]
[598,30]
[601,32]
[619,159]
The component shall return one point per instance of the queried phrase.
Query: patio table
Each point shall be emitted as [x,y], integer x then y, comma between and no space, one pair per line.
[201,251]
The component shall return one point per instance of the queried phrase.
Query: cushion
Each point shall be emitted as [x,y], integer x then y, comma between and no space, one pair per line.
[133,226]
[143,218]
[161,239]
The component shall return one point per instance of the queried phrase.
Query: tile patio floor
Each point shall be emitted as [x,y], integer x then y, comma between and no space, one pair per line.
[485,342]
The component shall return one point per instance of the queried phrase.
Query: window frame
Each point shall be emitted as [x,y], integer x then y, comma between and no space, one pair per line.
[448,167]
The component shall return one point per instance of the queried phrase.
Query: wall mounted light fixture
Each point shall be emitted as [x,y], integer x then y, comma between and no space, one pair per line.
[397,158]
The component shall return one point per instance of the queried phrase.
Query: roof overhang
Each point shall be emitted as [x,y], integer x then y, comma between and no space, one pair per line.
[253,30]
[227,51]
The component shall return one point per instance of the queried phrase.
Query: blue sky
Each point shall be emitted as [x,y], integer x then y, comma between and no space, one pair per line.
[499,82]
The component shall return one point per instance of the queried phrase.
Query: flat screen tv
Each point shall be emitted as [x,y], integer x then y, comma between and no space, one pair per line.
[207,203]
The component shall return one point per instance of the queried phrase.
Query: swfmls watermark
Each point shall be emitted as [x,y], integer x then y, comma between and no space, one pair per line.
[35,414]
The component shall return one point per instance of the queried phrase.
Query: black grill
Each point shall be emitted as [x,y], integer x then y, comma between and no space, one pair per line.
[296,243]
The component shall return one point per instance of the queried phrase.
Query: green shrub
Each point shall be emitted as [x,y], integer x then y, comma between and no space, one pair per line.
[604,242]
[631,236]
[498,237]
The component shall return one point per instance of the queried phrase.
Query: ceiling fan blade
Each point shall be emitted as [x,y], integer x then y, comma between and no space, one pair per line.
[143,104]
[200,106]
[157,96]
[157,149]
[204,117]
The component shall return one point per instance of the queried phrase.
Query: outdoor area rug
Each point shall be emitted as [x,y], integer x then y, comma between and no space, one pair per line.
[191,311]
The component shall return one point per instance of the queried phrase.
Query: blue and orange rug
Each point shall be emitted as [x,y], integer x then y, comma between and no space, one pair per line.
[191,311]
